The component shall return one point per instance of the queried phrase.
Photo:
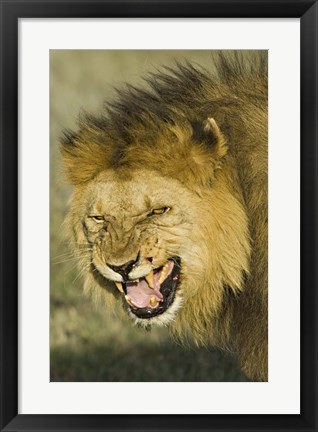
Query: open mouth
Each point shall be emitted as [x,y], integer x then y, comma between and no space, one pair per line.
[153,294]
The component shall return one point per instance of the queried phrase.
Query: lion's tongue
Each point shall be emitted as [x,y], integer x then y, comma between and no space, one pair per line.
[140,293]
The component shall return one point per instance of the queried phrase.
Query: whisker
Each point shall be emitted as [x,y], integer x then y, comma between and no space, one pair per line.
[68,271]
[72,254]
[70,251]
[63,255]
[71,259]
[80,273]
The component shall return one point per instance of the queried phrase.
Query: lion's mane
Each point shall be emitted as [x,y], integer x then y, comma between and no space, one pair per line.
[207,131]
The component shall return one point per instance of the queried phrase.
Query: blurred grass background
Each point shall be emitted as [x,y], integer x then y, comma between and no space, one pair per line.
[87,342]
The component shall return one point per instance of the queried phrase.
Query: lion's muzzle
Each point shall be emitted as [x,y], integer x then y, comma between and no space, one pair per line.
[151,294]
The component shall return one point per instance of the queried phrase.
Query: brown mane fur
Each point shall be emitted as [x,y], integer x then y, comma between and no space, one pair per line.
[206,132]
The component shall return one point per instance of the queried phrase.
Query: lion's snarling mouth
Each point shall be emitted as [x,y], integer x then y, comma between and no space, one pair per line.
[152,295]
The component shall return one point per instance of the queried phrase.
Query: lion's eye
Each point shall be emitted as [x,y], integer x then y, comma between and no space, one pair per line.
[97,218]
[159,211]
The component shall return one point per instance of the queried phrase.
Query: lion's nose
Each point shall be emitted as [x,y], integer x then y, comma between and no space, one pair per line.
[124,269]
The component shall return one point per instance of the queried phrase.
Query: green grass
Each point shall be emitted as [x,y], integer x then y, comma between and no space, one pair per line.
[87,343]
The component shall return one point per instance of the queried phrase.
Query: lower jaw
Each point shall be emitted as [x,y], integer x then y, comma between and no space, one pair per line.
[163,319]
[146,313]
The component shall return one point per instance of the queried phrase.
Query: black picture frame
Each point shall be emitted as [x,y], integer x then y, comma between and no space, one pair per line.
[11,11]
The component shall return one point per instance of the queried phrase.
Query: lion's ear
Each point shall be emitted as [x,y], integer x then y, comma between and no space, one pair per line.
[209,134]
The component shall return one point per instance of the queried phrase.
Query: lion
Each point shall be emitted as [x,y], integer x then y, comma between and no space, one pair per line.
[168,217]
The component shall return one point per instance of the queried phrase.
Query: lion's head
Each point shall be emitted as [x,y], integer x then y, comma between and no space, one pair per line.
[158,225]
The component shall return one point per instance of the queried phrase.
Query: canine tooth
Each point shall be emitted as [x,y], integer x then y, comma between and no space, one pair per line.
[163,274]
[130,302]
[153,301]
[136,280]
[119,285]
[150,280]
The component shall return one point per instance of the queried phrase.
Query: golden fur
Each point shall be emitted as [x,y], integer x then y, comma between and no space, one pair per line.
[196,142]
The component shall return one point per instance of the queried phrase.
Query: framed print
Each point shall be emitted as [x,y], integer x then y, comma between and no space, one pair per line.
[134,164]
